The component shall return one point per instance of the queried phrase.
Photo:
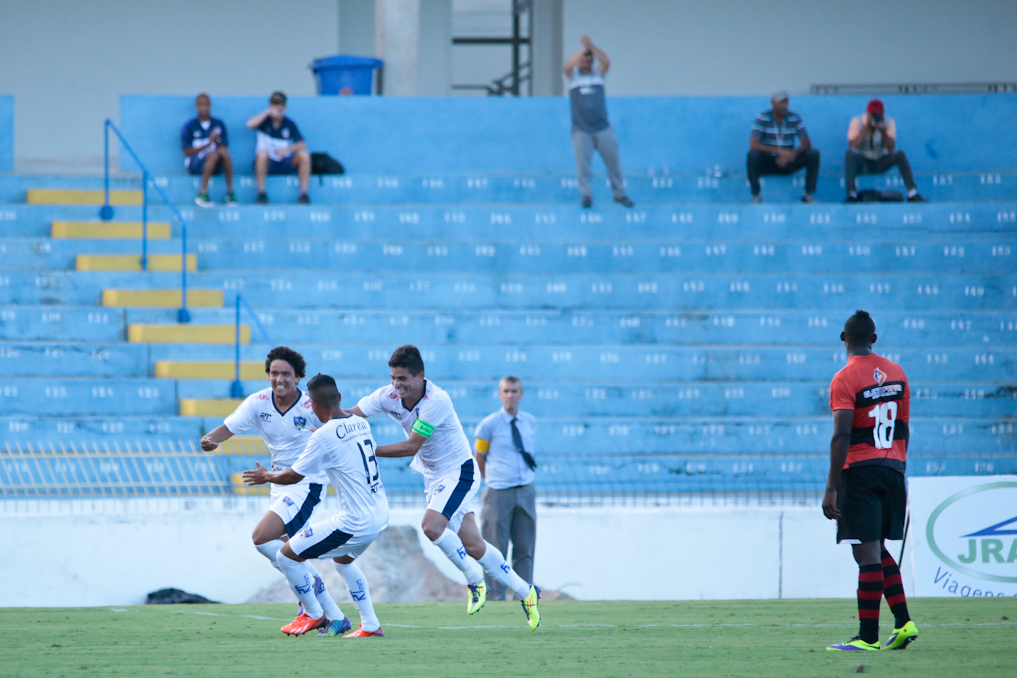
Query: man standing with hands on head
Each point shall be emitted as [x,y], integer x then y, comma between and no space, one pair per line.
[590,128]
[504,448]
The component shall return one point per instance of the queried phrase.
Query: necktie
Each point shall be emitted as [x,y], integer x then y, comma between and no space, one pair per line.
[517,439]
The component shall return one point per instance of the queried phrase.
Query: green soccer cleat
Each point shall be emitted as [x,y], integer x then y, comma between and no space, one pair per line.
[530,608]
[476,598]
[854,645]
[231,198]
[902,637]
[202,200]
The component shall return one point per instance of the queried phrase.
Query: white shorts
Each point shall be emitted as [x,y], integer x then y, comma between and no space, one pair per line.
[295,503]
[325,540]
[452,495]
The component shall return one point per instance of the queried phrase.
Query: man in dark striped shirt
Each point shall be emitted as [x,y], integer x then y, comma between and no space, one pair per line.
[772,148]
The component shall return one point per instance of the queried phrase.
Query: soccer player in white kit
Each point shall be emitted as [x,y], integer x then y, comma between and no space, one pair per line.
[441,452]
[283,416]
[344,449]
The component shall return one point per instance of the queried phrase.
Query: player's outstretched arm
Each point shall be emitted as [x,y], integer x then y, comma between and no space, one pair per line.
[840,442]
[261,475]
[406,448]
[211,440]
[357,411]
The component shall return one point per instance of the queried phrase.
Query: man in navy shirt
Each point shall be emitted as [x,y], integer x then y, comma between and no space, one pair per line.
[772,148]
[206,150]
[590,128]
[280,148]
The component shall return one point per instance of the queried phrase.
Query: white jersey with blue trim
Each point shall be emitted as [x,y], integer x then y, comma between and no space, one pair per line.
[344,450]
[285,433]
[446,447]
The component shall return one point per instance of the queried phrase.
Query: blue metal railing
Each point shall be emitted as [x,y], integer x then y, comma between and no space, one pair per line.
[236,388]
[106,214]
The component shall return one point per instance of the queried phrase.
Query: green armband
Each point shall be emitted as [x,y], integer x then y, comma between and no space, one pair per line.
[423,428]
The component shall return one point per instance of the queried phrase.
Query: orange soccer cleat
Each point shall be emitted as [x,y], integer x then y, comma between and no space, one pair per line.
[361,633]
[303,624]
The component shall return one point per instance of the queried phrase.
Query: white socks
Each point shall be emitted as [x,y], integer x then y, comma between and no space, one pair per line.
[452,546]
[498,569]
[270,550]
[301,581]
[357,584]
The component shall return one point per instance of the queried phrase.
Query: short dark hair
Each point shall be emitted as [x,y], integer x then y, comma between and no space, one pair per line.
[588,53]
[859,328]
[289,355]
[277,96]
[323,390]
[407,356]
[511,379]
[203,95]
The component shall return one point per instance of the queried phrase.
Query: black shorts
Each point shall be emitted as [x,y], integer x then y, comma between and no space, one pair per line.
[872,502]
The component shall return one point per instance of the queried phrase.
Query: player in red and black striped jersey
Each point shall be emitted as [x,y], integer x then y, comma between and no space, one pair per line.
[865,490]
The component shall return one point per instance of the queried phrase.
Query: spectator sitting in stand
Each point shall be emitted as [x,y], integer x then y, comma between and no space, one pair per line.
[206,150]
[872,149]
[772,148]
[280,148]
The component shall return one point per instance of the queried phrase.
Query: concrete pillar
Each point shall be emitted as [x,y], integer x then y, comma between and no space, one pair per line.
[356,27]
[414,38]
[546,56]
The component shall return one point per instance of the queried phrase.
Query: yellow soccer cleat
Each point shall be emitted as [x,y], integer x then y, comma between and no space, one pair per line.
[902,637]
[856,644]
[477,597]
[530,608]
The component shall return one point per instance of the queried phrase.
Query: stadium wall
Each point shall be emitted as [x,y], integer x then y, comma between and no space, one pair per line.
[590,553]
[6,133]
[657,134]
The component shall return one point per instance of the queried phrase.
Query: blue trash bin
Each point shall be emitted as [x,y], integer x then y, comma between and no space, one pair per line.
[344,74]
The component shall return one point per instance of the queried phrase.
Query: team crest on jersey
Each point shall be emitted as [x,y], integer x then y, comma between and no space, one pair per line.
[879,375]
[299,422]
[288,501]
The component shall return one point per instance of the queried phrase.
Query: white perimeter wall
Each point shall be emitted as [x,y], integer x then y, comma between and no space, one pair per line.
[694,47]
[637,554]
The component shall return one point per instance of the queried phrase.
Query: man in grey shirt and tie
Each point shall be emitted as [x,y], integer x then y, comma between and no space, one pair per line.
[504,452]
[590,128]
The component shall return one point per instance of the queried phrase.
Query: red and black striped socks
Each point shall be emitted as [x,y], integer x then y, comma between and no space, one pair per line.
[894,590]
[870,593]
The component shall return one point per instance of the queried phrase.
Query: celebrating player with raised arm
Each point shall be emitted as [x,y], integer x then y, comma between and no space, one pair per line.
[343,448]
[283,416]
[866,492]
[441,452]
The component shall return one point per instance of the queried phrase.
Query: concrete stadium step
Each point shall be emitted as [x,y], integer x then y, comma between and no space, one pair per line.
[187,334]
[130,262]
[161,299]
[651,291]
[35,359]
[476,399]
[46,255]
[933,329]
[204,369]
[539,188]
[857,223]
[88,397]
[730,435]
[633,364]
[64,323]
[156,230]
[68,431]
[77,196]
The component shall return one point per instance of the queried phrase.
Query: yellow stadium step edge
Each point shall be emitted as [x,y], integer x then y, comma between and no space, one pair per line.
[219,407]
[243,446]
[131,262]
[171,369]
[161,298]
[187,334]
[157,230]
[76,196]
[239,487]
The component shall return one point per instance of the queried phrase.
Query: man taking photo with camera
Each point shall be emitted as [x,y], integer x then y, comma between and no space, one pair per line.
[872,149]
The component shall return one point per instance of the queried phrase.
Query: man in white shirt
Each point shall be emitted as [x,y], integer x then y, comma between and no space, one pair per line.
[285,419]
[504,451]
[344,449]
[441,452]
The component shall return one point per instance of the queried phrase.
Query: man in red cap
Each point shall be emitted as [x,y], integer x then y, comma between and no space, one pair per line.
[872,149]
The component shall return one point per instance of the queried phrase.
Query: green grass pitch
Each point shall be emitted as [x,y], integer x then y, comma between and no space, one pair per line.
[958,637]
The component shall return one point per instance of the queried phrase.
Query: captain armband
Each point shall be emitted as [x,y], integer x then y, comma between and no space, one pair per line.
[423,428]
[482,446]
